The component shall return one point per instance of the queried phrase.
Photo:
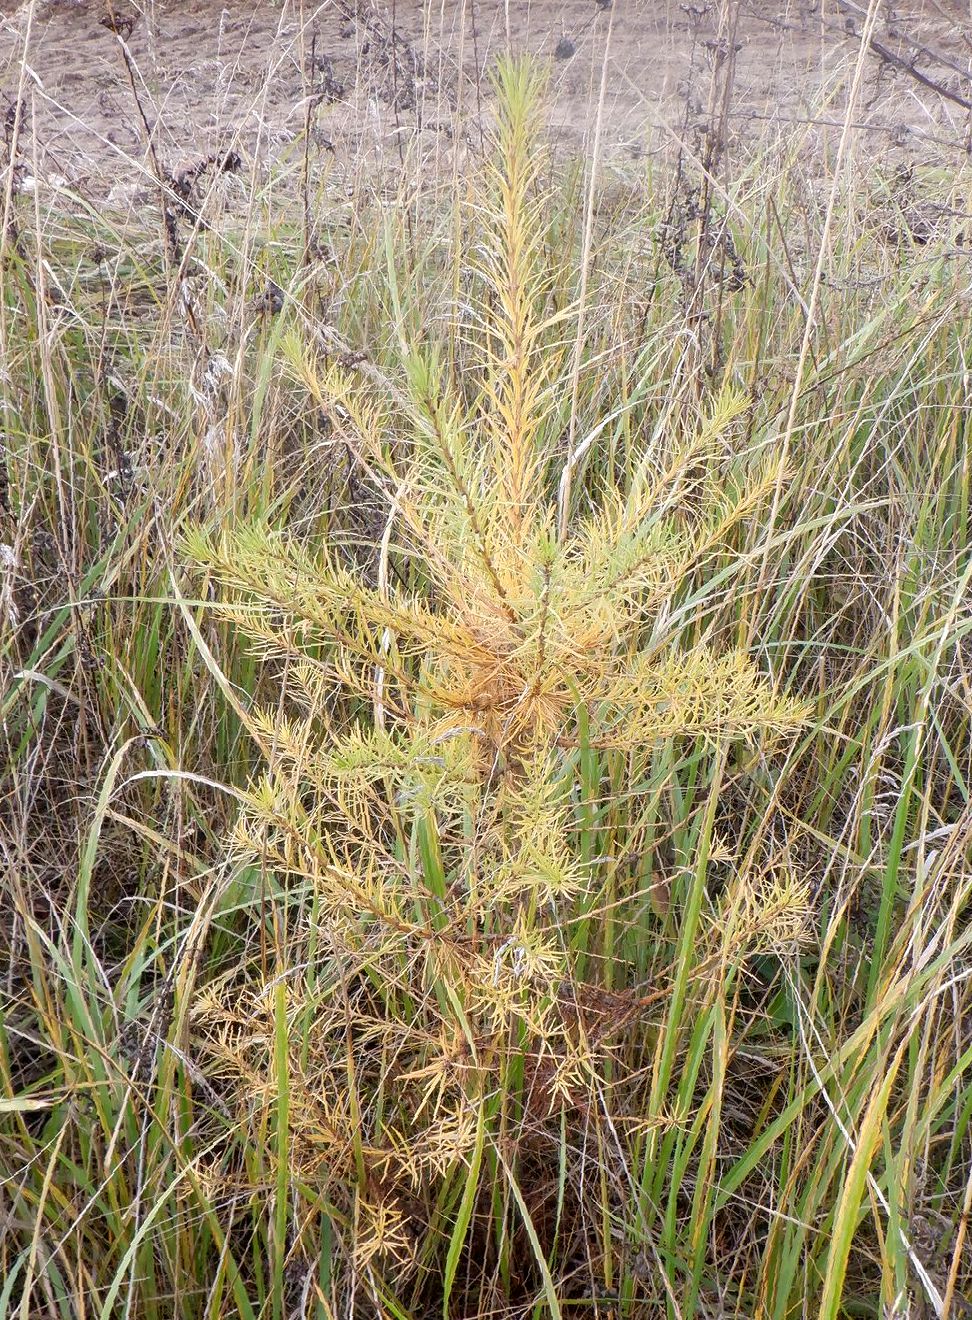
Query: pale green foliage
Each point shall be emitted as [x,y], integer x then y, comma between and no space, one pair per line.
[516,626]
[422,757]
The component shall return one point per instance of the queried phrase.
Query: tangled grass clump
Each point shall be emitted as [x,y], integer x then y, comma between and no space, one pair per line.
[484,686]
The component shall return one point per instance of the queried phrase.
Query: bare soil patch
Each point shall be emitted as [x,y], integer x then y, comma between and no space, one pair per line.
[211,77]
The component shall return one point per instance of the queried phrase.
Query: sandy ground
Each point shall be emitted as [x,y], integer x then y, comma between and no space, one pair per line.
[213,77]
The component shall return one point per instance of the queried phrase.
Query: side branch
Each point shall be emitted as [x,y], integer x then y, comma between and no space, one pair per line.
[910,65]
